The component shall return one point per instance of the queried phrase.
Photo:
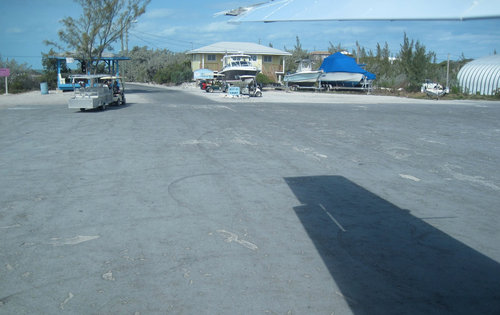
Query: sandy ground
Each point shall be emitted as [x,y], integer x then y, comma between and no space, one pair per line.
[277,96]
[34,98]
[269,96]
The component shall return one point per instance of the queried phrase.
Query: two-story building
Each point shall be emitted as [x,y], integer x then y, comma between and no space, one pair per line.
[270,61]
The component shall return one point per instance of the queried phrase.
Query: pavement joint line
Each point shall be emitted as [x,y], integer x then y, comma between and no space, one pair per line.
[333,219]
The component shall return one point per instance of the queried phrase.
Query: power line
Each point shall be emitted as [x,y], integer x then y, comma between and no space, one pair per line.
[157,39]
[183,44]
[142,39]
[161,37]
[19,56]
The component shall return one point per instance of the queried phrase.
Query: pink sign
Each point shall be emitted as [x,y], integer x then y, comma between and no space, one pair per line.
[4,72]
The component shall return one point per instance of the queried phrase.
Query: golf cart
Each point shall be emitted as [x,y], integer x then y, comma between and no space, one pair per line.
[96,91]
[216,84]
[248,85]
[118,87]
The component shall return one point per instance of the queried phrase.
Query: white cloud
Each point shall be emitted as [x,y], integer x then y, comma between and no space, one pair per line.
[218,27]
[159,13]
[14,30]
[170,31]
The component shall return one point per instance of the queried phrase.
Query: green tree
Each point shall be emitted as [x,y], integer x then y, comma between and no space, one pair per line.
[102,23]
[145,63]
[336,48]
[298,54]
[50,69]
[415,63]
[158,65]
[379,63]
[176,73]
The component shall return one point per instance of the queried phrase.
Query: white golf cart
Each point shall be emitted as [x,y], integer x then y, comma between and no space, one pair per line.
[96,91]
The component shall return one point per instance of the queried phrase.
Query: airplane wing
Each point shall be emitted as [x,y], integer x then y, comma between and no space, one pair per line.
[332,10]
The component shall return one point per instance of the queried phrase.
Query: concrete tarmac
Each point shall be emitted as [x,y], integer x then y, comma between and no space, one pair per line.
[186,203]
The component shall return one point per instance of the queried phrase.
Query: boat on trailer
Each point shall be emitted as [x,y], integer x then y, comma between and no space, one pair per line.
[236,65]
[304,76]
[433,89]
[347,79]
[341,70]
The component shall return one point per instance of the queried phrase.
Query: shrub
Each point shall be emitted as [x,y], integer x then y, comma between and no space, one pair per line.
[263,79]
[176,73]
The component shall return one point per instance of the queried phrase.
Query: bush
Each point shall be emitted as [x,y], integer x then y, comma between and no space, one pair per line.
[176,73]
[455,89]
[19,83]
[263,79]
[22,78]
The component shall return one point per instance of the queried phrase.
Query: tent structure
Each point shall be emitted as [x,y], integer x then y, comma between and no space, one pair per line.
[481,76]
[391,10]
[338,62]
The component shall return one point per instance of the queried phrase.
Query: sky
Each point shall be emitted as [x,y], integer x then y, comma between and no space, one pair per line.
[180,26]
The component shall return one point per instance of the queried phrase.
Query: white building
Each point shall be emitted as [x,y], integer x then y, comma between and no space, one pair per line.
[481,76]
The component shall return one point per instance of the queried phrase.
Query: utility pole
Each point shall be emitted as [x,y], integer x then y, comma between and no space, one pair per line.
[448,73]
[357,52]
[126,35]
[126,41]
[121,38]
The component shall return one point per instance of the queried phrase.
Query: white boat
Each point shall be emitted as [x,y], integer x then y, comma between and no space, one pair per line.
[342,71]
[433,89]
[234,66]
[341,78]
[304,74]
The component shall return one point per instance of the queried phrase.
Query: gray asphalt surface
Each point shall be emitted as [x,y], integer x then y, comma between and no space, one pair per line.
[179,204]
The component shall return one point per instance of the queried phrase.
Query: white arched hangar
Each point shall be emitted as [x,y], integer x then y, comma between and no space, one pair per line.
[481,76]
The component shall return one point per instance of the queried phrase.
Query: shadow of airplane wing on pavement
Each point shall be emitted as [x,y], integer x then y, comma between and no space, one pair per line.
[386,261]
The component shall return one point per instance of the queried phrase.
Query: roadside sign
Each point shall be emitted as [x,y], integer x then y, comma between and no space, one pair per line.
[234,90]
[4,72]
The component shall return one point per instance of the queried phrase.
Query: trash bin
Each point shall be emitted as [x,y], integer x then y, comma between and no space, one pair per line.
[44,88]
